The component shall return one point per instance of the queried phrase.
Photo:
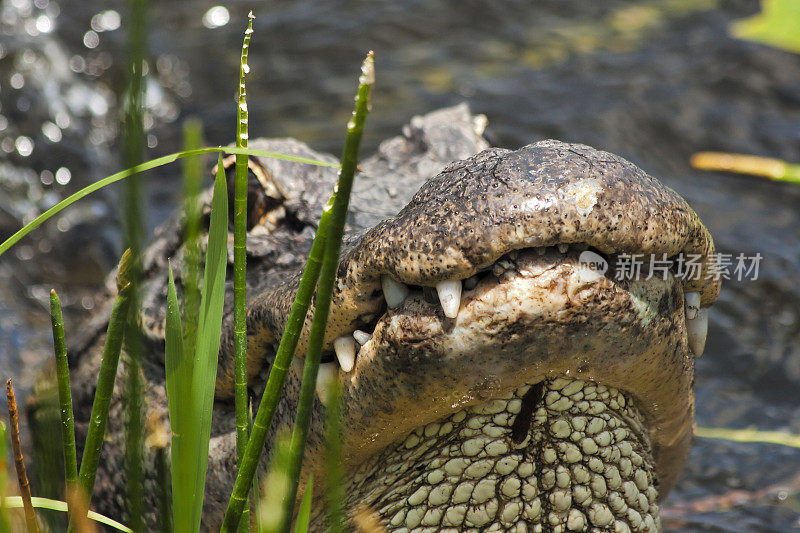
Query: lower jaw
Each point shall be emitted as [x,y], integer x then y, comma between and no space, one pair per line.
[561,455]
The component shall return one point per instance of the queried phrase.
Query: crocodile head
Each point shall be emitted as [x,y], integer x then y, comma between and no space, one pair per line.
[494,375]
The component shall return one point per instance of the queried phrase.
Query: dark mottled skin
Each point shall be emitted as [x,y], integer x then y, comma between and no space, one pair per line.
[460,221]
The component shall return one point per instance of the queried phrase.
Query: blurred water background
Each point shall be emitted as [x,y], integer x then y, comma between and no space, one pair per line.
[653,81]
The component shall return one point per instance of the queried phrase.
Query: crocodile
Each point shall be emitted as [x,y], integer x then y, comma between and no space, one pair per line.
[497,372]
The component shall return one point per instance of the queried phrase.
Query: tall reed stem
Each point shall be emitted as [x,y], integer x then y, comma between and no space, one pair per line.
[294,324]
[240,268]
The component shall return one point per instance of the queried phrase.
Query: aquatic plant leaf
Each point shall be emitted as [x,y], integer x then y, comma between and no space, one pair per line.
[148,165]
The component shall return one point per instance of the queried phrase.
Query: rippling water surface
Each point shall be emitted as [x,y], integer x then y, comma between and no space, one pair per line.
[653,81]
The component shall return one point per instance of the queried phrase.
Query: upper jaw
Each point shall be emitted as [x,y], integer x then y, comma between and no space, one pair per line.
[477,210]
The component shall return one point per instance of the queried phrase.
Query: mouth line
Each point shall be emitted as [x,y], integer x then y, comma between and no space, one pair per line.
[449,297]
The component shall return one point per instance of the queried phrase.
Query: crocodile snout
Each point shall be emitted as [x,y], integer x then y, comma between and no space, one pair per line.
[480,289]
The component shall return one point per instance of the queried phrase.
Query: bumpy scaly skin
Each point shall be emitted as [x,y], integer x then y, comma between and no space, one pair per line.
[586,463]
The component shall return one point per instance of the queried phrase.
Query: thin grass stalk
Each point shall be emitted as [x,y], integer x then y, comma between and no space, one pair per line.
[19,462]
[327,278]
[334,474]
[287,346]
[148,165]
[749,435]
[192,186]
[64,392]
[277,375]
[240,268]
[765,167]
[133,154]
[105,381]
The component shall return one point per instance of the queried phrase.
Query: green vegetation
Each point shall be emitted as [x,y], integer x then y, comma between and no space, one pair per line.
[765,167]
[191,376]
[193,337]
[240,268]
[777,25]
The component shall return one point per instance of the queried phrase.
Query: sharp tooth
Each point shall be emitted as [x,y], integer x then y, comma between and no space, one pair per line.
[345,348]
[471,282]
[691,304]
[394,291]
[563,248]
[361,337]
[449,297]
[327,373]
[697,329]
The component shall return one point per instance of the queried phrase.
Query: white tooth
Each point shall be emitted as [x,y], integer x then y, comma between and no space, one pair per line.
[691,303]
[471,282]
[563,248]
[345,348]
[327,374]
[449,297]
[361,337]
[697,329]
[541,250]
[394,291]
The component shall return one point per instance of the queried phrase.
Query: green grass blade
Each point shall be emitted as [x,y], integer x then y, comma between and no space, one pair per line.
[179,382]
[749,435]
[105,381]
[64,392]
[240,268]
[208,338]
[15,502]
[334,475]
[192,186]
[327,278]
[149,165]
[304,511]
